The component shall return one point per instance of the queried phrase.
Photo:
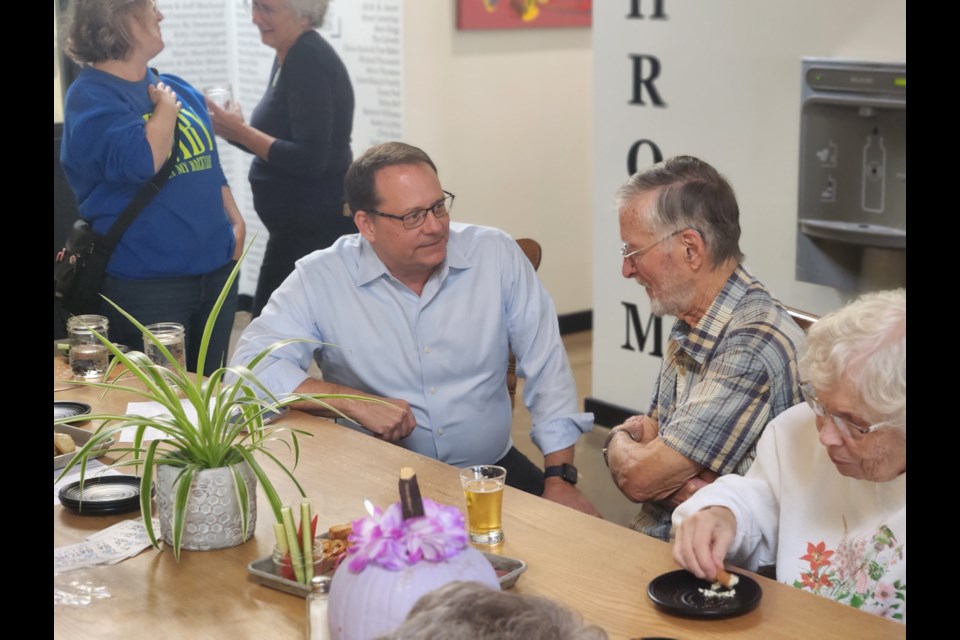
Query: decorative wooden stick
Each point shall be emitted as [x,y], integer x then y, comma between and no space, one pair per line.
[410,500]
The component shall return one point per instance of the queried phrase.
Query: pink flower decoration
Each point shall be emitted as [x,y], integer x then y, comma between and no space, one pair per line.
[884,592]
[386,539]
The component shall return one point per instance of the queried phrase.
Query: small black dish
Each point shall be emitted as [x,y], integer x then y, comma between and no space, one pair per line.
[102,495]
[67,409]
[677,593]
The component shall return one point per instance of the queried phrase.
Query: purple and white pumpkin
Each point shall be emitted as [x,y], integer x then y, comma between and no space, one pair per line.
[393,562]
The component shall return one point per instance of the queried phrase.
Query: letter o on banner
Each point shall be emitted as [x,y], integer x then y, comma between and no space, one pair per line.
[635,148]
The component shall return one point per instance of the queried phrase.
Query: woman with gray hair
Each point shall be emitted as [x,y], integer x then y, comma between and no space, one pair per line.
[831,515]
[300,134]
[120,119]
[475,611]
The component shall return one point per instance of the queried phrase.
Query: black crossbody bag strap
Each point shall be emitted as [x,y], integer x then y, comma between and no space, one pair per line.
[141,200]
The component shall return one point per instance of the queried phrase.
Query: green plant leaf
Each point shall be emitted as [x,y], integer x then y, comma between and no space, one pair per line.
[215,312]
[272,496]
[230,406]
[241,494]
[146,491]
[180,496]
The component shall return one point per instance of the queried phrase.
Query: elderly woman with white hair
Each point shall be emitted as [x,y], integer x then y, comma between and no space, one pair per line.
[829,512]
[300,134]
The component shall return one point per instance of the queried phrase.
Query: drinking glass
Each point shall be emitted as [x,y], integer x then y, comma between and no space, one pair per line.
[483,489]
[220,95]
[88,356]
[170,335]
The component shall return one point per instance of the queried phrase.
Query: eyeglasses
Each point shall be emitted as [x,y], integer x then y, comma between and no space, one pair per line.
[440,209]
[625,252]
[844,426]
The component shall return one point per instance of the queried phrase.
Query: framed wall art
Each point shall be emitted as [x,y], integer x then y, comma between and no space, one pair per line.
[523,14]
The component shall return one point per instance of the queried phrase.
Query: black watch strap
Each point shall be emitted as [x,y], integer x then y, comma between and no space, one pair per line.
[567,472]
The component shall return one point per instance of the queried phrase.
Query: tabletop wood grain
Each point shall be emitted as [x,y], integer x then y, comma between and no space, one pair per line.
[592,566]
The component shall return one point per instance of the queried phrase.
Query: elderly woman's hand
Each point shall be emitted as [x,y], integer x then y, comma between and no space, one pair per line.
[227,123]
[163,96]
[703,539]
[161,125]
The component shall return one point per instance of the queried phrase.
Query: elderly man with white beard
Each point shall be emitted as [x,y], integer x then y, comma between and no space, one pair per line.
[731,362]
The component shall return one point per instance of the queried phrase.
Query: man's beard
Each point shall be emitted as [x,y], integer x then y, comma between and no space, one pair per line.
[678,298]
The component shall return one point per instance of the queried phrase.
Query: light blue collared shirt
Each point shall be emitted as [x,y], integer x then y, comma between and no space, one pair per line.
[445,352]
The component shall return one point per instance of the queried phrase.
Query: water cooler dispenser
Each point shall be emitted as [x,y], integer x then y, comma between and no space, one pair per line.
[852,211]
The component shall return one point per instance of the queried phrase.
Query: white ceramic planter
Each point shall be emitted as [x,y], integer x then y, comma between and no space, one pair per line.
[213,519]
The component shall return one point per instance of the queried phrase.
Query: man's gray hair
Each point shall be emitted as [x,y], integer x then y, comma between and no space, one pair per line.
[867,342]
[472,610]
[313,10]
[692,194]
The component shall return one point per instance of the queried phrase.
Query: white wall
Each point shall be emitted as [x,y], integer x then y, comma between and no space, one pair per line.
[506,116]
[730,75]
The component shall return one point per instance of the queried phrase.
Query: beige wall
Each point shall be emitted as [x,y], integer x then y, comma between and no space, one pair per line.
[506,115]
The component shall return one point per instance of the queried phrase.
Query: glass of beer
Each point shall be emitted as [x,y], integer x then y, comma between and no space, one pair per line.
[483,489]
[170,335]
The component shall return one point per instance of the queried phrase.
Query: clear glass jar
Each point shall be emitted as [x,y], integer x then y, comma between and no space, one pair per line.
[281,561]
[89,357]
[80,328]
[171,335]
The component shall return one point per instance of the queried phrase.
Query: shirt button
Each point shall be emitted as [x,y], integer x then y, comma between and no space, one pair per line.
[433,390]
[426,349]
[440,431]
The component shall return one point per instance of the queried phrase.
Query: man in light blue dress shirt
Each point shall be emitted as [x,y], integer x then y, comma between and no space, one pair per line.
[421,313]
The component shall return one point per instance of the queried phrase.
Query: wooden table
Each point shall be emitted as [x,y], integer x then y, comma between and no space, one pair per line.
[595,567]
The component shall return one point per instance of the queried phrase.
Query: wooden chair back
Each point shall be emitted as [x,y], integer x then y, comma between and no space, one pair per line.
[531,248]
[803,319]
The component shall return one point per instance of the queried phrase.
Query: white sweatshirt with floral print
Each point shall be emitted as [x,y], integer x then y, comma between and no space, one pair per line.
[834,536]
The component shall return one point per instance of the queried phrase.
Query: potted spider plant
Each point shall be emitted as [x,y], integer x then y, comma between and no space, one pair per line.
[224,440]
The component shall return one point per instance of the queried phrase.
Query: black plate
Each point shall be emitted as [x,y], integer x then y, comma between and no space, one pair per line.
[102,495]
[677,593]
[64,409]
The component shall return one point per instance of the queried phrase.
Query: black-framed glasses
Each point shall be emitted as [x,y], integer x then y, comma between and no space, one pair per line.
[844,426]
[440,209]
[625,252]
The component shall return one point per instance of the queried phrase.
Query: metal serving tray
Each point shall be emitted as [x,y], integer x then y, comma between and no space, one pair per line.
[263,571]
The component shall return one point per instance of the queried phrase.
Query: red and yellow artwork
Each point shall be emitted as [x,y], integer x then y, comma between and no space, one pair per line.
[522,14]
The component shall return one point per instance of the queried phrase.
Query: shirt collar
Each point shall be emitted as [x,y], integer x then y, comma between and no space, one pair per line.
[700,340]
[370,267]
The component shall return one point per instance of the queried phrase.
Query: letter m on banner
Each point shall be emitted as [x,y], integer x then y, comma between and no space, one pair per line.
[642,334]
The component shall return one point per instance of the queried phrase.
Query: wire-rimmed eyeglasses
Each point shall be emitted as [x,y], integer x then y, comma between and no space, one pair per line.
[440,209]
[844,426]
[625,252]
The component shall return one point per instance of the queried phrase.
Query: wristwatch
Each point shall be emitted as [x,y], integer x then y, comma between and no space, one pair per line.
[567,472]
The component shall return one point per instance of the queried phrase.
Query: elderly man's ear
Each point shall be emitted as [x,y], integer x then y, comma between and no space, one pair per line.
[694,249]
